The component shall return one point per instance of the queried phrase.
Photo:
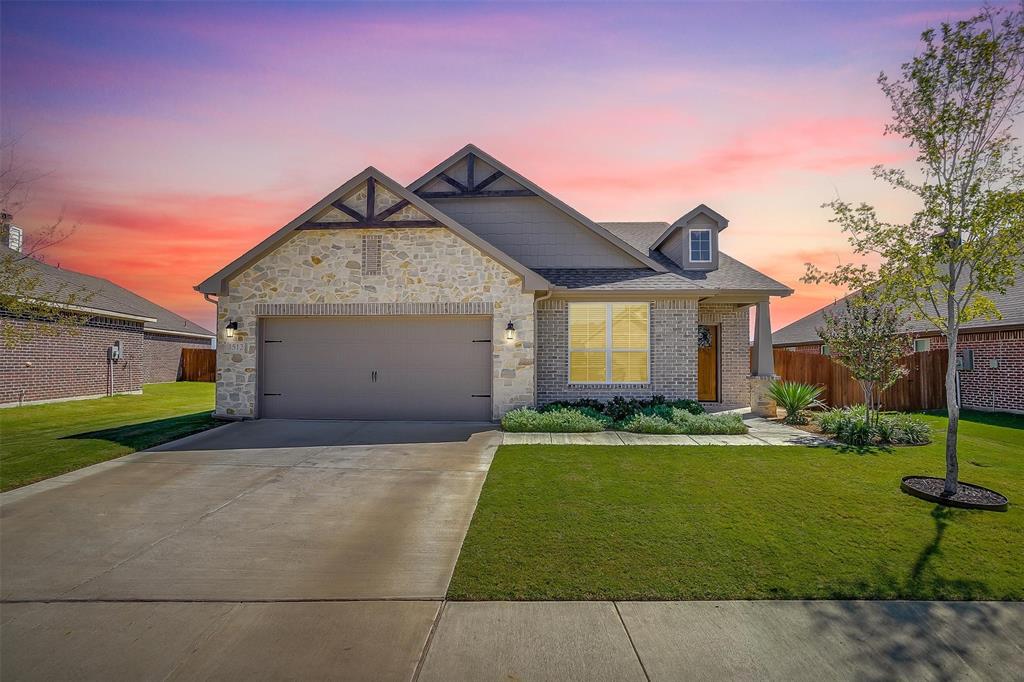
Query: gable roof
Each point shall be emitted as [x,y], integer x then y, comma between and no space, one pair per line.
[328,205]
[103,296]
[731,276]
[702,209]
[1010,304]
[640,255]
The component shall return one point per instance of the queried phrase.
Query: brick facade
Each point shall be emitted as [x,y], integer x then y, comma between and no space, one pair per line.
[999,388]
[734,350]
[162,357]
[673,340]
[72,365]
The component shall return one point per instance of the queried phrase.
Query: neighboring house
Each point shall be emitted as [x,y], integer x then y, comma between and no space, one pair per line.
[472,292]
[70,366]
[991,352]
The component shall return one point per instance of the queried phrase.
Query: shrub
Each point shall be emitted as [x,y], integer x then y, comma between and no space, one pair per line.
[899,428]
[850,425]
[618,410]
[552,421]
[795,397]
[649,423]
[708,424]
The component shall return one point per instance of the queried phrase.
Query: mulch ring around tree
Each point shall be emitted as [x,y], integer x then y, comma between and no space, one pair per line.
[967,496]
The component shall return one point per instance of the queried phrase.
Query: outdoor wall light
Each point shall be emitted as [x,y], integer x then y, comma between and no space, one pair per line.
[229,329]
[510,332]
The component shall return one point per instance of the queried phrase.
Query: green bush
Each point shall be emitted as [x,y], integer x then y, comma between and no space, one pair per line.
[649,423]
[525,420]
[708,424]
[849,425]
[617,411]
[795,397]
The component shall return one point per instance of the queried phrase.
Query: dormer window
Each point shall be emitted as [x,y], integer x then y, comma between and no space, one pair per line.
[700,246]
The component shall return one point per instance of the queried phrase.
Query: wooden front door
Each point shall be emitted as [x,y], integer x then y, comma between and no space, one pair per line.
[707,363]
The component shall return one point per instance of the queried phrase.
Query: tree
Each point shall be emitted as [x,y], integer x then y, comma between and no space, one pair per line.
[41,310]
[867,337]
[955,103]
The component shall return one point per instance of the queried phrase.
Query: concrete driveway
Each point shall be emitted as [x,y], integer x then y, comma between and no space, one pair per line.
[214,555]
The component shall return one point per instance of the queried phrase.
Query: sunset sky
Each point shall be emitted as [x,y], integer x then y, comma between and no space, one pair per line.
[175,136]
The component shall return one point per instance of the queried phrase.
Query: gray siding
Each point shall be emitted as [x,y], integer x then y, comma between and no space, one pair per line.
[673,354]
[535,233]
[677,246]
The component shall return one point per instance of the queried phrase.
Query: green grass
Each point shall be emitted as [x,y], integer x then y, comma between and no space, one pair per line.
[588,522]
[40,441]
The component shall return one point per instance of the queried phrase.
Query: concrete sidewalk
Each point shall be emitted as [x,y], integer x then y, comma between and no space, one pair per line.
[433,640]
[761,432]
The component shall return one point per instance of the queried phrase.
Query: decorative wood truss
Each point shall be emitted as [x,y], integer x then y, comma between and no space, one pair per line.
[371,205]
[471,188]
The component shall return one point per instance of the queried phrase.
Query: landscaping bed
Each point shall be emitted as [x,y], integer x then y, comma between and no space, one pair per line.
[655,416]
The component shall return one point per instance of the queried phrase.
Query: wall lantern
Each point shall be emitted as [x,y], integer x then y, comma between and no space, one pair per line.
[510,331]
[229,329]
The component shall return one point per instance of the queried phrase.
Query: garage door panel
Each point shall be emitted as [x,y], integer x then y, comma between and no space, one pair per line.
[376,368]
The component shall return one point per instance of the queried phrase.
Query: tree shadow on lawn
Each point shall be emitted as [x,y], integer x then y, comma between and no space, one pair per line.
[148,434]
[915,639]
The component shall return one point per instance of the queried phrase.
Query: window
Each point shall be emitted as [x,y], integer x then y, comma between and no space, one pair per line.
[825,350]
[921,345]
[608,343]
[700,246]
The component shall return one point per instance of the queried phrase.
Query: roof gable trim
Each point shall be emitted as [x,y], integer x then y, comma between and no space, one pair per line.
[340,197]
[529,186]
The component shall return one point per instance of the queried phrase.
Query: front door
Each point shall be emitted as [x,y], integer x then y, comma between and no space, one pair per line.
[707,363]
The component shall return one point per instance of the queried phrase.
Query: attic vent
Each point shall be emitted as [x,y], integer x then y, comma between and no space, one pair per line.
[371,254]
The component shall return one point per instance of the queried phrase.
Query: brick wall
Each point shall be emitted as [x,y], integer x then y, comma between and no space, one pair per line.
[999,388]
[162,361]
[734,350]
[673,336]
[71,365]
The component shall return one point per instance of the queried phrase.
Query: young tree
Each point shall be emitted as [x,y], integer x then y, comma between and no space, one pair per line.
[955,103]
[41,310]
[867,337]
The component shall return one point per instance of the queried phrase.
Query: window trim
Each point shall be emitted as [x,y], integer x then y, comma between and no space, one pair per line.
[608,349]
[711,246]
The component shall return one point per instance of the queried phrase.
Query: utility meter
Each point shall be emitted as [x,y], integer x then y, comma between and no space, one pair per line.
[114,352]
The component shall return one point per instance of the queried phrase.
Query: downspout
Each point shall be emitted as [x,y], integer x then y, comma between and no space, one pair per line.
[536,324]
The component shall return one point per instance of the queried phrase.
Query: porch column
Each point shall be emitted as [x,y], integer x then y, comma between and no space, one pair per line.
[762,366]
[764,359]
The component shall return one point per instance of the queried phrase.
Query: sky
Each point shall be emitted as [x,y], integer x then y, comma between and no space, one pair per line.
[173,137]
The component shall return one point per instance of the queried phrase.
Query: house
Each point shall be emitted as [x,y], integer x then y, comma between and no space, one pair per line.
[78,365]
[472,292]
[990,352]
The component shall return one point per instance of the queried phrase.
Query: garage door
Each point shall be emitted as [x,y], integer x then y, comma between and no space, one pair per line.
[376,368]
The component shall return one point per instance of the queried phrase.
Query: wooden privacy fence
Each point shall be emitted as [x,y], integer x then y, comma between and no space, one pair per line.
[923,388]
[198,364]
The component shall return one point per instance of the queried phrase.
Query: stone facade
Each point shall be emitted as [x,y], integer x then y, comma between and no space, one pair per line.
[734,350]
[673,336]
[71,365]
[418,265]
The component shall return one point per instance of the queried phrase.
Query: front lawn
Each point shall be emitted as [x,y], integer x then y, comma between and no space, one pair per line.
[723,522]
[40,441]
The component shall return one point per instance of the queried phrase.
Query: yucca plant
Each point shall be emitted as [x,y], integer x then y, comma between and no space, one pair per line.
[794,398]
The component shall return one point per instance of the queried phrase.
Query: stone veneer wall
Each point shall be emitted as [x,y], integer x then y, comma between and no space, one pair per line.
[734,350]
[673,336]
[418,265]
